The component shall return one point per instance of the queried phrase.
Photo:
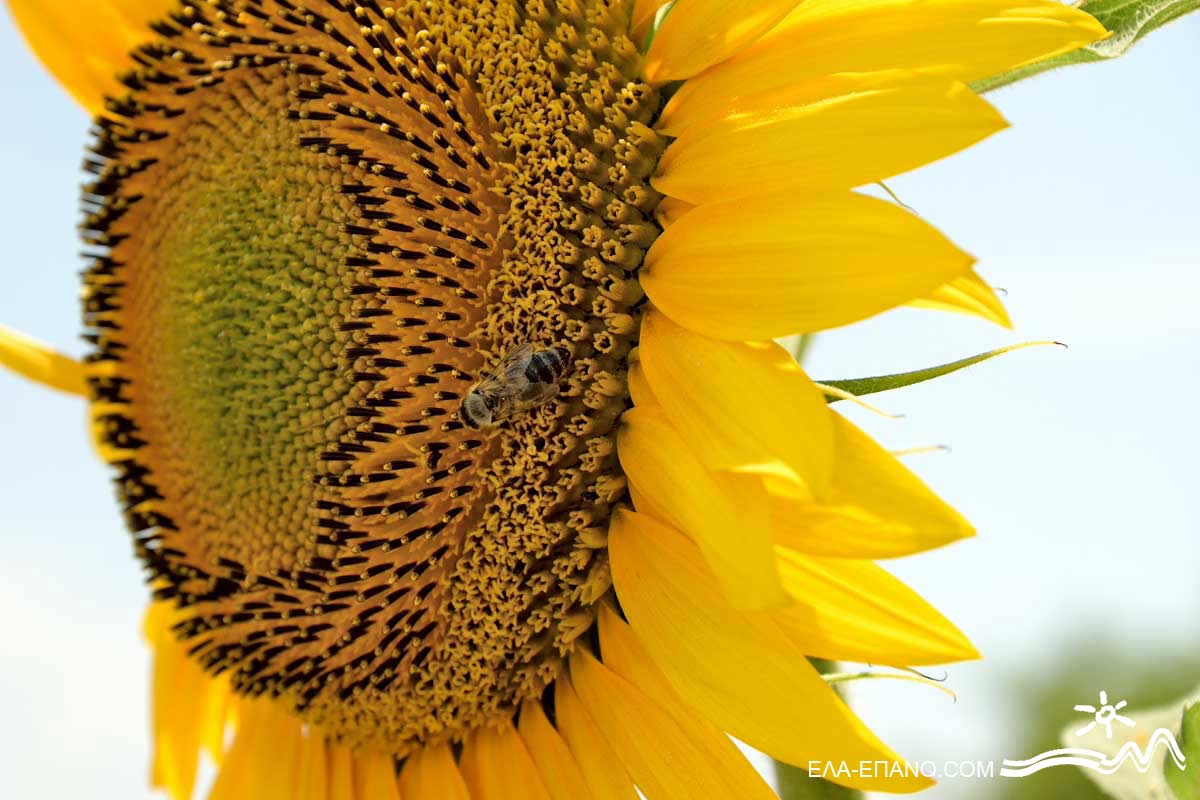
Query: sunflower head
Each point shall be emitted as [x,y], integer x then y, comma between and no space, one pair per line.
[318,232]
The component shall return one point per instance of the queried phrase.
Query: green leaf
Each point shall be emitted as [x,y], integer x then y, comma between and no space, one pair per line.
[1128,20]
[1185,783]
[883,383]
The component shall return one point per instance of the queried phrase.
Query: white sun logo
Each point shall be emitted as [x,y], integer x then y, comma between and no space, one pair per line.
[1105,715]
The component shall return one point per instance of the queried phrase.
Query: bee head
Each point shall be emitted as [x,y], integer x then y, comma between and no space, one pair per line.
[475,411]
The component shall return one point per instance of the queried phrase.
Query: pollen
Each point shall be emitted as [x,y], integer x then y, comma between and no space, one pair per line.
[312,226]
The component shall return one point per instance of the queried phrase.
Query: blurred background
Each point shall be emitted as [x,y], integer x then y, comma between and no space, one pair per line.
[1077,466]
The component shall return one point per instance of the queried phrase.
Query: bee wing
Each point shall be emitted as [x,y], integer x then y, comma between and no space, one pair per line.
[510,369]
[512,366]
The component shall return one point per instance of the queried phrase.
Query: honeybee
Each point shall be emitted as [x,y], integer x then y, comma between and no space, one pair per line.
[524,379]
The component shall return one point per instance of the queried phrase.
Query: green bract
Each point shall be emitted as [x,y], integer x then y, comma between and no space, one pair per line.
[883,383]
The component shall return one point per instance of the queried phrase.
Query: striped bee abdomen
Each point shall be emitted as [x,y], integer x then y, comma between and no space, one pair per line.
[548,366]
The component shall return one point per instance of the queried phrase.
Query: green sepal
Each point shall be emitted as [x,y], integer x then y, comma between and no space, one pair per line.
[1185,783]
[884,383]
[1128,21]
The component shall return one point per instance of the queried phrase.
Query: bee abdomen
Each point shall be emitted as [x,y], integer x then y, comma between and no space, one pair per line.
[548,366]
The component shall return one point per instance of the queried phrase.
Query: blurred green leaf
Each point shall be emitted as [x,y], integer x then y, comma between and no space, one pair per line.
[883,383]
[1128,20]
[795,784]
[1152,675]
[1185,783]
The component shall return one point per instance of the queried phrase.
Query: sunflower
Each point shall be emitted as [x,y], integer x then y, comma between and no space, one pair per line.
[312,226]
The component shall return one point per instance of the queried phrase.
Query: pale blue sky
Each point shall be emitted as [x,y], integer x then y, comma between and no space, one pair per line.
[1077,466]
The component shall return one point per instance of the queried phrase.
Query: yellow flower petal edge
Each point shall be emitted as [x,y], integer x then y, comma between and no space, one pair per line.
[731,529]
[854,610]
[560,773]
[716,391]
[602,769]
[664,757]
[179,708]
[189,709]
[639,389]
[968,294]
[496,766]
[375,777]
[738,668]
[85,45]
[625,657]
[765,267]
[699,33]
[875,506]
[837,142]
[960,39]
[846,531]
[432,774]
[31,359]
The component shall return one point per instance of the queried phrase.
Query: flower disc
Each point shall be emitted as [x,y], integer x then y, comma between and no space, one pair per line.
[313,229]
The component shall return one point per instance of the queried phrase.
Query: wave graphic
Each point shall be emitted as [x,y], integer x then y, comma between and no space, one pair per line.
[1095,760]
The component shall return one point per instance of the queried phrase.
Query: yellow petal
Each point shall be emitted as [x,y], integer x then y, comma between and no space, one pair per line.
[601,768]
[626,657]
[238,765]
[967,294]
[840,142]
[189,708]
[31,359]
[218,708]
[642,18]
[341,773]
[375,776]
[960,39]
[669,210]
[699,33]
[178,720]
[737,668]
[312,782]
[431,774]
[666,759]
[875,507]
[846,531]
[731,529]
[768,266]
[85,45]
[855,611]
[284,757]
[550,755]
[496,766]
[639,390]
[266,759]
[748,402]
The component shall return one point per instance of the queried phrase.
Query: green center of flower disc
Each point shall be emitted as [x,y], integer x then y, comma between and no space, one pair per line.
[241,298]
[314,232]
